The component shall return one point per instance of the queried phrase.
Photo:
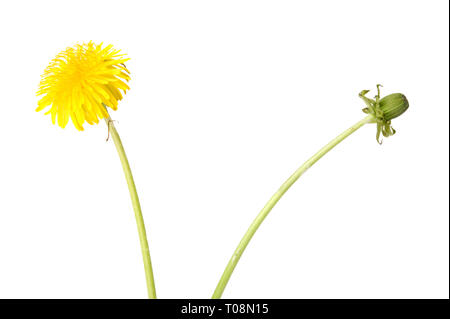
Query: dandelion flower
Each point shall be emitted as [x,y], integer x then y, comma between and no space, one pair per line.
[80,80]
[381,111]
[80,83]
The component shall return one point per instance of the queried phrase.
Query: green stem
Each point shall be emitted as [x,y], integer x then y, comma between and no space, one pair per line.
[137,209]
[274,199]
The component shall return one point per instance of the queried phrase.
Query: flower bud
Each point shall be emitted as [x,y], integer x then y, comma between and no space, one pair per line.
[393,105]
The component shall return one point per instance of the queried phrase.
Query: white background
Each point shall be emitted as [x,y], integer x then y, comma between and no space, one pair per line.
[227,99]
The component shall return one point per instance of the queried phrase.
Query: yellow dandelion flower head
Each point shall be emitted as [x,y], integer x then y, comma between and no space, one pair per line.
[80,81]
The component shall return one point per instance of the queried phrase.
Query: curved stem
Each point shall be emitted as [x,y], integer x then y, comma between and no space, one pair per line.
[136,207]
[274,199]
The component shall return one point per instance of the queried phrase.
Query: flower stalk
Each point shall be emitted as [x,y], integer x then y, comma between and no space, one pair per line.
[136,207]
[275,198]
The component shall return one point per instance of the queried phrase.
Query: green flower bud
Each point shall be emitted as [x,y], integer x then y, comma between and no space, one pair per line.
[384,110]
[393,105]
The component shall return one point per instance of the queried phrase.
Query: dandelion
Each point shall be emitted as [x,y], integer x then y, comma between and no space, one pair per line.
[80,83]
[381,112]
[80,80]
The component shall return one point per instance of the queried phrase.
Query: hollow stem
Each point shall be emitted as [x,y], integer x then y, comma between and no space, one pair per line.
[274,199]
[136,207]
